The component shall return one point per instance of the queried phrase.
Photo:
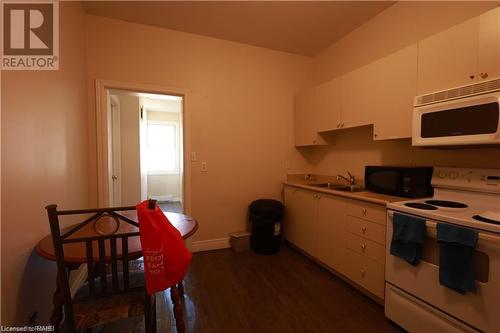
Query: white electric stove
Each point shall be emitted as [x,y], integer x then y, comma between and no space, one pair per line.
[469,197]
[414,297]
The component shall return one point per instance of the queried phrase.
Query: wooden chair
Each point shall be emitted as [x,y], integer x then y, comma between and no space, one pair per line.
[112,291]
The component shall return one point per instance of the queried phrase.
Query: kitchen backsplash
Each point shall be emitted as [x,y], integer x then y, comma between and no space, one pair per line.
[354,148]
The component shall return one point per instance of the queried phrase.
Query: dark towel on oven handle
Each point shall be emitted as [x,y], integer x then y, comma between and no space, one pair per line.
[456,248]
[408,237]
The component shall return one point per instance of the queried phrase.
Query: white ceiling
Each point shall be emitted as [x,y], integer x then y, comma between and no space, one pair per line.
[301,27]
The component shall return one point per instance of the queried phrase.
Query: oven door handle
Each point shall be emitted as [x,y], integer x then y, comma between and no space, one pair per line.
[432,231]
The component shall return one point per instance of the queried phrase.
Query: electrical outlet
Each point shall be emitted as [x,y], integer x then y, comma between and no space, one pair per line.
[194,158]
[204,167]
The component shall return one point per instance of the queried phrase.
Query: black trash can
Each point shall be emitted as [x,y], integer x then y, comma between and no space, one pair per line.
[265,219]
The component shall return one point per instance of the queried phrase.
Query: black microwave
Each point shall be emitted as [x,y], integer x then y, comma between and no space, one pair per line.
[408,182]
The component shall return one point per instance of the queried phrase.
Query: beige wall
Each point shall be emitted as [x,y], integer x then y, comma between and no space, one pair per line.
[402,24]
[130,152]
[240,105]
[167,185]
[44,160]
[352,149]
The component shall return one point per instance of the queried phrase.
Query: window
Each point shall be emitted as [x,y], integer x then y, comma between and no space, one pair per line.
[162,148]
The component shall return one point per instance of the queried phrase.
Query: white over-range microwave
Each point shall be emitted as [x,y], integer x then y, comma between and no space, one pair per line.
[467,115]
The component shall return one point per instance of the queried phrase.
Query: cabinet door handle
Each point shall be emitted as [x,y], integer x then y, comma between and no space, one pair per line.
[363,247]
[363,230]
[338,125]
[363,272]
[471,77]
[484,75]
[364,211]
[342,125]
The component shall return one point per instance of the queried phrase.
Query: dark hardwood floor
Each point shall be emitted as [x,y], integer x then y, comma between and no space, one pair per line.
[245,292]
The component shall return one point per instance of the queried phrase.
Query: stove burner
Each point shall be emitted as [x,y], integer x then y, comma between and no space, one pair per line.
[484,219]
[419,205]
[445,203]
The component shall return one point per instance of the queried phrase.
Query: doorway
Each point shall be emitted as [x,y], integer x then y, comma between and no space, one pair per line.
[145,148]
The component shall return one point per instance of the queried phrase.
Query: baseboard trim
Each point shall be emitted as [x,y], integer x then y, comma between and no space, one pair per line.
[210,244]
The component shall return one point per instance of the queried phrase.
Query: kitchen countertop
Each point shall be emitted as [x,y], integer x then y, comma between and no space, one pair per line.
[376,198]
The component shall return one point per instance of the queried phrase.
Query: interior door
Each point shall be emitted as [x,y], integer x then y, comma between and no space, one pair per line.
[115,180]
[143,137]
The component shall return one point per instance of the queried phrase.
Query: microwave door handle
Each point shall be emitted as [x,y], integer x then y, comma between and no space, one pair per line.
[432,232]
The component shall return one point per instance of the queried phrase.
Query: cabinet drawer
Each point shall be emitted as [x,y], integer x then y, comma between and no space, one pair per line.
[367,211]
[366,229]
[366,247]
[367,273]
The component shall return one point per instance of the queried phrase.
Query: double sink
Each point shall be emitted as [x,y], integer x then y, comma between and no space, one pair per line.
[338,187]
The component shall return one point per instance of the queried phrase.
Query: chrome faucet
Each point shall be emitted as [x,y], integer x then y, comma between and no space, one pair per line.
[350,180]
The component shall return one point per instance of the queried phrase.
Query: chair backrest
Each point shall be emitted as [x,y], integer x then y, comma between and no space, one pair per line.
[96,248]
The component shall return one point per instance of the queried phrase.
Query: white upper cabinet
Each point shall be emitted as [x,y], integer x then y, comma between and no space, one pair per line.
[394,88]
[449,58]
[317,110]
[327,105]
[464,54]
[382,92]
[306,124]
[357,97]
[489,44]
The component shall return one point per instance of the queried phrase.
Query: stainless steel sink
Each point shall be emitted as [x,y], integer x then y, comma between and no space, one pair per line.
[339,187]
[349,188]
[324,185]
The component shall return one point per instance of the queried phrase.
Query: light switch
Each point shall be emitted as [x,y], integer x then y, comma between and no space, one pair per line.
[204,167]
[194,158]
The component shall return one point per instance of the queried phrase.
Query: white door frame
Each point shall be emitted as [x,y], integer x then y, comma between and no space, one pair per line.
[115,155]
[102,86]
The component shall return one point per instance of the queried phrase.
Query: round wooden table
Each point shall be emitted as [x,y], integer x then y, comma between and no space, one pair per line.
[75,253]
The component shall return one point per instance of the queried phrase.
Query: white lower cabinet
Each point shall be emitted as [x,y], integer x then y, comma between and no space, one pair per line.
[331,232]
[301,225]
[347,235]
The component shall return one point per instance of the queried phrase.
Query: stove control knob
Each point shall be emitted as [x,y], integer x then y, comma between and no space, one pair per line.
[453,175]
[442,174]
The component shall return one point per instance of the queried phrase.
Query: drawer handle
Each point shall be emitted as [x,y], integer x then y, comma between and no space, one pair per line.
[363,247]
[363,230]
[363,272]
[364,211]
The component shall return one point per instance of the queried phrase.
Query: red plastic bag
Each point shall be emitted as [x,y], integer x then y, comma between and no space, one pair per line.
[166,258]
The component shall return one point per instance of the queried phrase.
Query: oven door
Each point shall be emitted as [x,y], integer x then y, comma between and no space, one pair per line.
[468,121]
[479,310]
